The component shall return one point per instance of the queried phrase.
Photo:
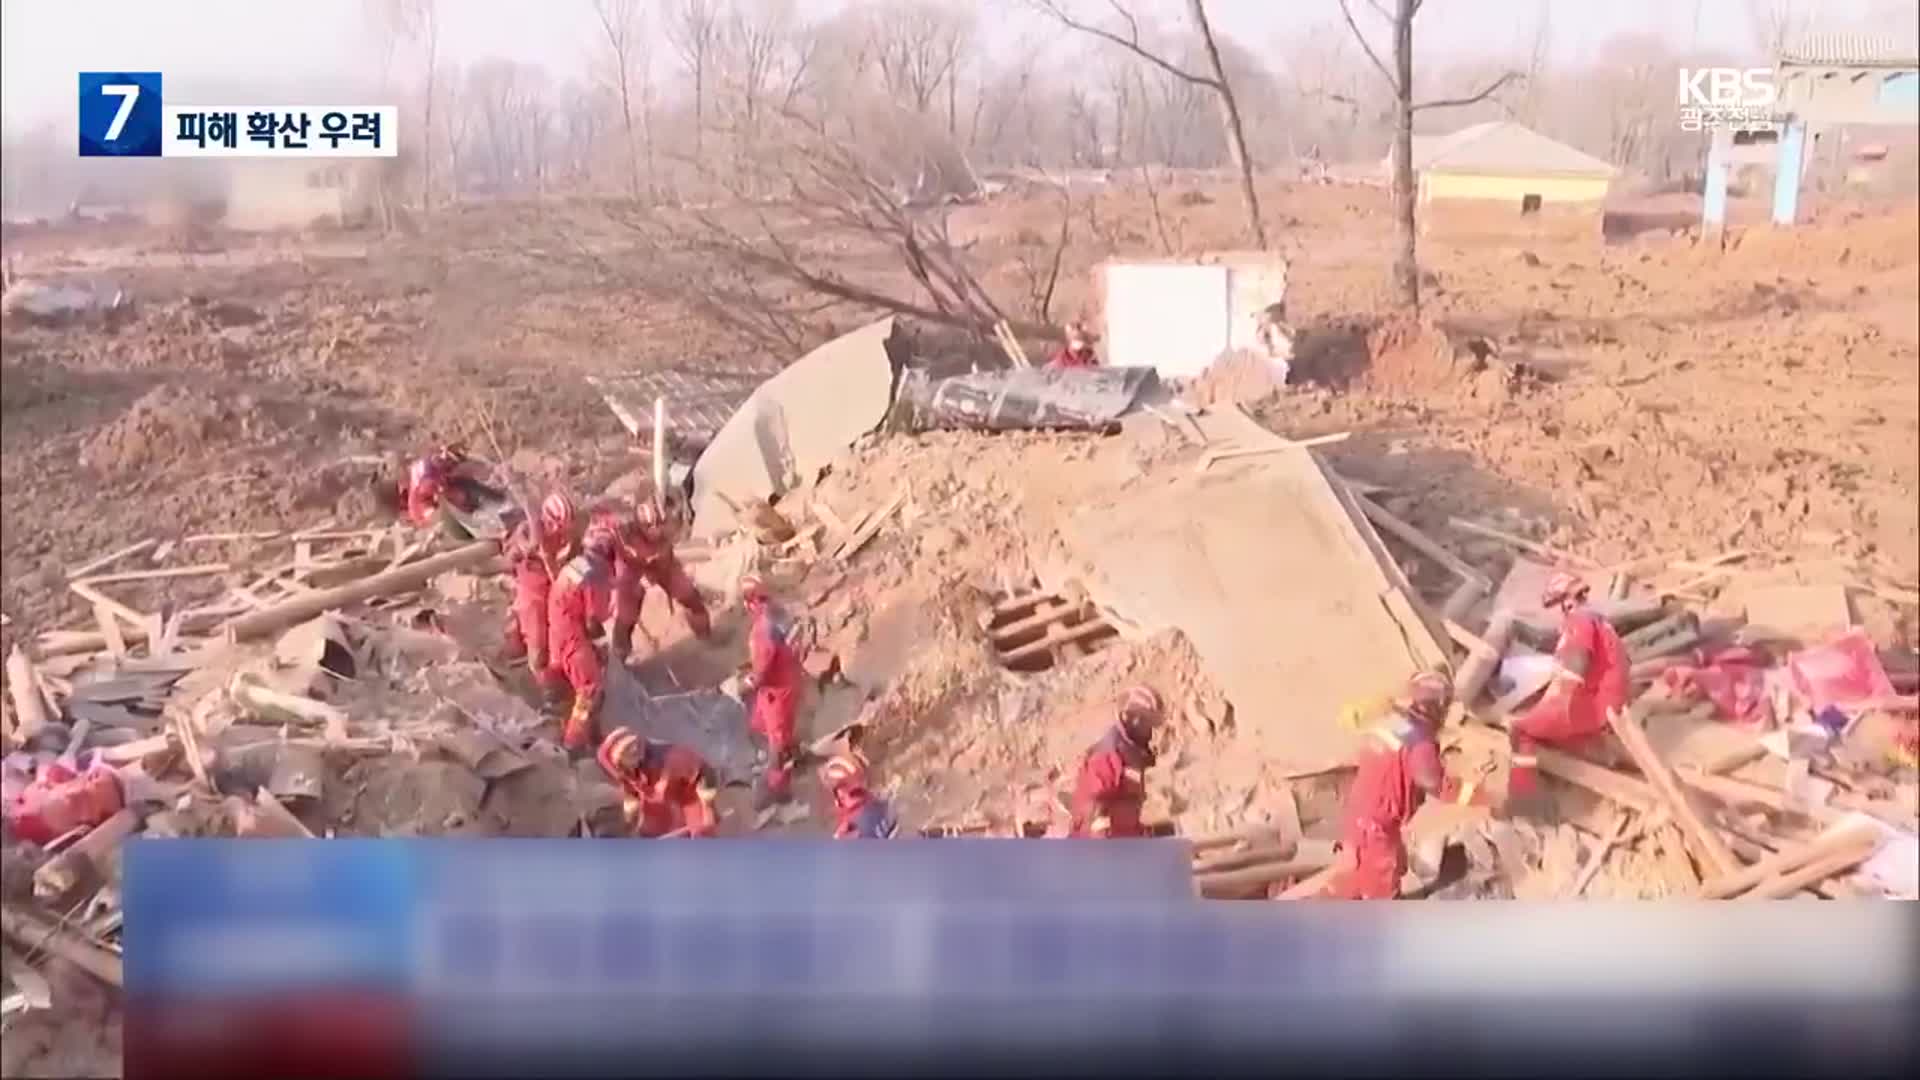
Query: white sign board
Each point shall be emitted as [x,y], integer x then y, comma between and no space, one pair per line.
[1172,317]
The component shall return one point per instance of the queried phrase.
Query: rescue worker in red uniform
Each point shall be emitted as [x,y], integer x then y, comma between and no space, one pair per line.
[775,677]
[537,552]
[1110,791]
[1076,351]
[858,814]
[643,552]
[666,788]
[1589,684]
[60,798]
[443,476]
[1398,768]
[579,602]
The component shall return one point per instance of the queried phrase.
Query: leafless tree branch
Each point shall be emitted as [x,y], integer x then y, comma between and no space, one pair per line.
[1131,43]
[1471,99]
[1365,46]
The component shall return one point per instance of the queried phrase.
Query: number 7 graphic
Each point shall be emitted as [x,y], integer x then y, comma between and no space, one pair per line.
[128,93]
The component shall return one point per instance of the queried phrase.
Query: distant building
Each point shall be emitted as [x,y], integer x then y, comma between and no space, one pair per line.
[265,194]
[1858,97]
[1504,162]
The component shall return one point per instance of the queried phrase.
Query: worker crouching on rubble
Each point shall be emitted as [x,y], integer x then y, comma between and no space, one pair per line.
[643,552]
[441,481]
[858,814]
[1398,768]
[1110,792]
[1076,351]
[775,679]
[537,550]
[666,789]
[579,602]
[1589,685]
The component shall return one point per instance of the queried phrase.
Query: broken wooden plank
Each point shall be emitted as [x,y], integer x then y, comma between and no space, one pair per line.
[111,558]
[1056,637]
[1211,457]
[200,570]
[1419,541]
[282,706]
[1787,860]
[1200,844]
[1551,554]
[1309,888]
[1600,852]
[1312,856]
[1784,885]
[1052,611]
[30,713]
[229,537]
[38,935]
[85,591]
[58,880]
[1714,855]
[871,527]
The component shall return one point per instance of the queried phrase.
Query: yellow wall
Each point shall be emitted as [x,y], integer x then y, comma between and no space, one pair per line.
[1551,189]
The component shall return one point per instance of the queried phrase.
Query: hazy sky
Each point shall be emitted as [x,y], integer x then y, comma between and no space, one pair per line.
[45,43]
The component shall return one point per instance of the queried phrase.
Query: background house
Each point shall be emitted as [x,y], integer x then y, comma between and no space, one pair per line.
[1505,162]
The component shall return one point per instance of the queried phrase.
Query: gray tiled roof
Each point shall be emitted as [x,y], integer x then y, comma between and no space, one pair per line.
[1852,50]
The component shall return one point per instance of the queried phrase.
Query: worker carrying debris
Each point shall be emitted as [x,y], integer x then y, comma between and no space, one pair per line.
[441,485]
[1076,351]
[537,551]
[666,789]
[1589,684]
[1110,792]
[643,552]
[858,814]
[775,678]
[581,600]
[1398,768]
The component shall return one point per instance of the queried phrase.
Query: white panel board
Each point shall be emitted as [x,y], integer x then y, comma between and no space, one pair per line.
[1166,316]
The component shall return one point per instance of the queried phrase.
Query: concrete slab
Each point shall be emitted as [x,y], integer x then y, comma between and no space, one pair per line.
[795,423]
[1283,588]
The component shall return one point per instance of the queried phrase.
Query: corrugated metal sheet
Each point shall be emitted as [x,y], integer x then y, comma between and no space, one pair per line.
[1852,50]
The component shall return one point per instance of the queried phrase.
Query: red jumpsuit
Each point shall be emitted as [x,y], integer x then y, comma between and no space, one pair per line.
[1068,357]
[637,560]
[429,480]
[1590,685]
[1110,792]
[1398,769]
[59,800]
[532,584]
[579,600]
[777,679]
[671,788]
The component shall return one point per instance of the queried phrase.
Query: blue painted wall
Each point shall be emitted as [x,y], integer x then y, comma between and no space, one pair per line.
[1900,91]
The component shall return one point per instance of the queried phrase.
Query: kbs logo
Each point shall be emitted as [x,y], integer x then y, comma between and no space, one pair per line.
[1738,98]
[1723,88]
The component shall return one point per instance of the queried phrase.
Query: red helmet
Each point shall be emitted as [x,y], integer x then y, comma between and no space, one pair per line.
[599,541]
[1562,585]
[753,588]
[557,512]
[844,770]
[451,454]
[1428,694]
[1141,704]
[622,747]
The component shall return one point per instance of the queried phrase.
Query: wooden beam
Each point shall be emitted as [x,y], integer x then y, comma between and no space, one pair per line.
[133,618]
[1419,541]
[201,570]
[1542,550]
[23,688]
[1715,857]
[1607,841]
[301,608]
[1787,860]
[1787,884]
[111,558]
[37,935]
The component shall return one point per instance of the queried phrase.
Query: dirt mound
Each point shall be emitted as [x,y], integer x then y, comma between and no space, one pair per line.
[168,422]
[1410,355]
[1242,377]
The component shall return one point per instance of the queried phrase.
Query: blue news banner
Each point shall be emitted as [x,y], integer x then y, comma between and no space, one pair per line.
[568,957]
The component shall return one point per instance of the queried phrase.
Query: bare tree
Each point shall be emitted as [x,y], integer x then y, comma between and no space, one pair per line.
[625,30]
[1216,82]
[693,28]
[916,46]
[1777,23]
[1406,267]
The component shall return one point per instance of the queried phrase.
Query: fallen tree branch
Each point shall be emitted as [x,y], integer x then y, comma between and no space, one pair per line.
[38,935]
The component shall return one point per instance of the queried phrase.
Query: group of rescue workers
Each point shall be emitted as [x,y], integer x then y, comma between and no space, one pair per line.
[575,573]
